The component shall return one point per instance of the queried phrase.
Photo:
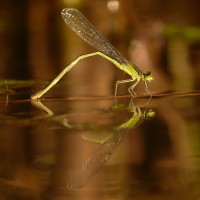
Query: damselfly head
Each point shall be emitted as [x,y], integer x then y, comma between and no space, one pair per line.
[148,76]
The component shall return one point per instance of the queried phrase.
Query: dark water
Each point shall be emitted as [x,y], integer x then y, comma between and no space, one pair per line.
[99,147]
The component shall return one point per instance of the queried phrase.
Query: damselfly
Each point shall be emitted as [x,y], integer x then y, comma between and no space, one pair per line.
[84,29]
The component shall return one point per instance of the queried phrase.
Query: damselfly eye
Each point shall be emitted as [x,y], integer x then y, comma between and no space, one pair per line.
[148,76]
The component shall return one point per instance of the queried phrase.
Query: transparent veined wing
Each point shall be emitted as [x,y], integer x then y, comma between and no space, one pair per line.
[84,29]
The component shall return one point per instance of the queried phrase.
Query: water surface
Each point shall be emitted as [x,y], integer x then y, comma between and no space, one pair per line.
[99,147]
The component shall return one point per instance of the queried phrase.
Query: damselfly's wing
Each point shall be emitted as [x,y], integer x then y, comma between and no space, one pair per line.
[83,28]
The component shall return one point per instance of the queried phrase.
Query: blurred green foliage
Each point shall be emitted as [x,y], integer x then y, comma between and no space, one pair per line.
[190,33]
